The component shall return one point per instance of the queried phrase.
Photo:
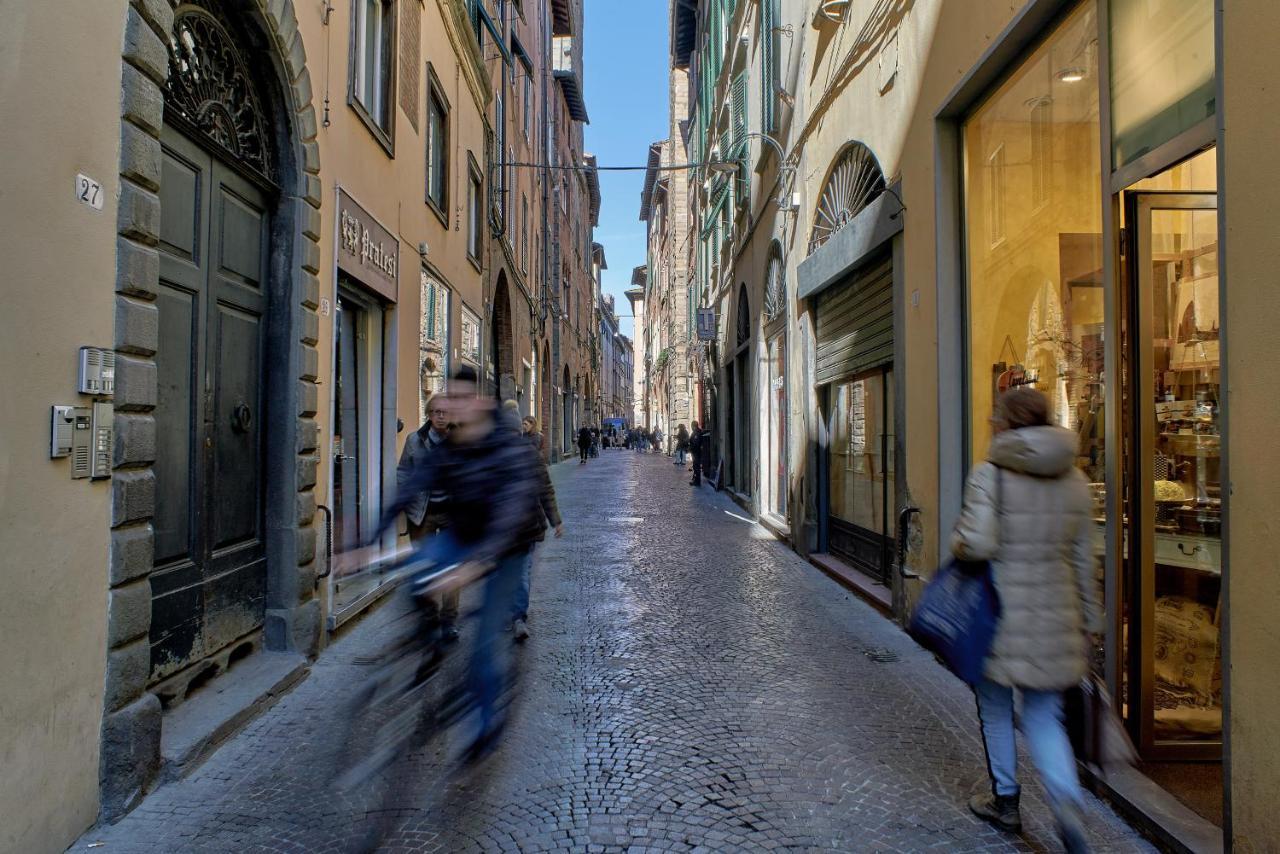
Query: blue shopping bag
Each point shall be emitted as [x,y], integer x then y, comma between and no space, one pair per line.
[957,616]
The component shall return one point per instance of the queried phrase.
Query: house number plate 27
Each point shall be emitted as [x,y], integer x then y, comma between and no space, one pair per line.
[89,192]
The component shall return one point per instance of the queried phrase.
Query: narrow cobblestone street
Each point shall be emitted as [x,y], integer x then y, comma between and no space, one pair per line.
[690,684]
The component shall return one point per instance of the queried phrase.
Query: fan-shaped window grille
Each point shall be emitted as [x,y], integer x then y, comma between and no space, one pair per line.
[744,317]
[211,90]
[775,287]
[854,182]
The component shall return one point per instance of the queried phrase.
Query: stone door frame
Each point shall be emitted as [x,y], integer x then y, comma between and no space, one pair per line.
[131,725]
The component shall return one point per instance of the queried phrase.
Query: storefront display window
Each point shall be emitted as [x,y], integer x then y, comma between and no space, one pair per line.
[1033,216]
[1162,72]
[862,471]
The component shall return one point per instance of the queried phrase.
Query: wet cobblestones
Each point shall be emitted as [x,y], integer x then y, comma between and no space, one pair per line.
[691,685]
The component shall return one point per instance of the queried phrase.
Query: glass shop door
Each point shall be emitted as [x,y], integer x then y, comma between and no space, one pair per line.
[1174,575]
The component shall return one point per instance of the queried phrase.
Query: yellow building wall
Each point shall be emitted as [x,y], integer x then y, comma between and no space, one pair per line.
[59,116]
[1251,198]
[392,189]
[942,50]
[849,95]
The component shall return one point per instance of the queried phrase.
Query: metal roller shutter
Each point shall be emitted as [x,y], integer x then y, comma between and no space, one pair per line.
[855,324]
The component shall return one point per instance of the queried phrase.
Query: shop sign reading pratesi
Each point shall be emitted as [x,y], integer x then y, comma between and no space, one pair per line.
[366,250]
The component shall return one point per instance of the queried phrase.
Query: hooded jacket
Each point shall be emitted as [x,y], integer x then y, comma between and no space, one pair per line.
[1027,511]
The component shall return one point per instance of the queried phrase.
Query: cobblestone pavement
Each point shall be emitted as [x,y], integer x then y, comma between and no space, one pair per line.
[691,685]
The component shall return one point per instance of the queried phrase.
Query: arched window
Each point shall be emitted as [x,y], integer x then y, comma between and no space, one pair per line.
[744,318]
[775,285]
[853,183]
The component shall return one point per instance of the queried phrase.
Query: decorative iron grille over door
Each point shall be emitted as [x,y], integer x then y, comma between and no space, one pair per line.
[210,92]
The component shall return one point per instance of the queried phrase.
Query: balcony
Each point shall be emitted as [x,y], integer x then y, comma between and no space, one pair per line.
[562,17]
[565,71]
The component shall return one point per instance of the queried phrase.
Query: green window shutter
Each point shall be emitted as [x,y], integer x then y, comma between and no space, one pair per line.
[769,66]
[717,39]
[742,151]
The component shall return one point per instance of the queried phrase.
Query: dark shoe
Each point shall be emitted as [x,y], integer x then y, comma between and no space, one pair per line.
[449,634]
[1000,810]
[695,483]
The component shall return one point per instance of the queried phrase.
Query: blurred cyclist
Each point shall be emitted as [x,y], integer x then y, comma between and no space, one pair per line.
[493,486]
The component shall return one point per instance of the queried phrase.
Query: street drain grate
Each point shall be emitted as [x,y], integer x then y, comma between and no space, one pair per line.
[881,655]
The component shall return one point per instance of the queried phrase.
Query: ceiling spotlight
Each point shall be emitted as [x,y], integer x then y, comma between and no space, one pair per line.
[1073,74]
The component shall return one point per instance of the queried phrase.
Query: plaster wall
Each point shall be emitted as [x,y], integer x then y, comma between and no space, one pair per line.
[1250,188]
[879,78]
[53,530]
[391,187]
[936,54]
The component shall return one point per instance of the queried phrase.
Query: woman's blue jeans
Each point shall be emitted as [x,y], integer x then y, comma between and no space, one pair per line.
[1043,729]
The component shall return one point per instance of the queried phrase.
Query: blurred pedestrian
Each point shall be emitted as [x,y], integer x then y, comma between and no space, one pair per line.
[529,427]
[536,533]
[425,512]
[682,444]
[657,440]
[1027,511]
[584,445]
[697,449]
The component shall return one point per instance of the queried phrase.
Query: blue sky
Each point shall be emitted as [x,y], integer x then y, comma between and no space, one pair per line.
[625,78]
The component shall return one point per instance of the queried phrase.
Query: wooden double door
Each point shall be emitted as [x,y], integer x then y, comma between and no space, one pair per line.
[209,582]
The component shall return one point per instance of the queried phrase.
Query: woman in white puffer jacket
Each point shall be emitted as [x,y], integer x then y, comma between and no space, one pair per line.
[1027,511]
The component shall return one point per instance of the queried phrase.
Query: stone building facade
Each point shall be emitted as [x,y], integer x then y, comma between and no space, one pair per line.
[902,208]
[292,223]
[669,299]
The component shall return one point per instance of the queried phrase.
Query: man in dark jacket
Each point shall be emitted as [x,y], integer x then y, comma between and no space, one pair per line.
[697,447]
[584,444]
[425,513]
[493,486]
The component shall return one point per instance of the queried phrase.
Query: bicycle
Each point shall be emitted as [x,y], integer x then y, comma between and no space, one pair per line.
[402,709]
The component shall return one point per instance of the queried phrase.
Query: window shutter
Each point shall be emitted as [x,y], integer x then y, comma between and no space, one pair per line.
[738,119]
[769,66]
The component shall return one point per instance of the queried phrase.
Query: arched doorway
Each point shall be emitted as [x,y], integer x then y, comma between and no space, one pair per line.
[218,192]
[566,410]
[502,343]
[774,379]
[740,378]
[225,379]
[853,374]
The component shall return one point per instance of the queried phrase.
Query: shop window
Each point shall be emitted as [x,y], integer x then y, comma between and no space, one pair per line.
[437,150]
[1035,301]
[372,40]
